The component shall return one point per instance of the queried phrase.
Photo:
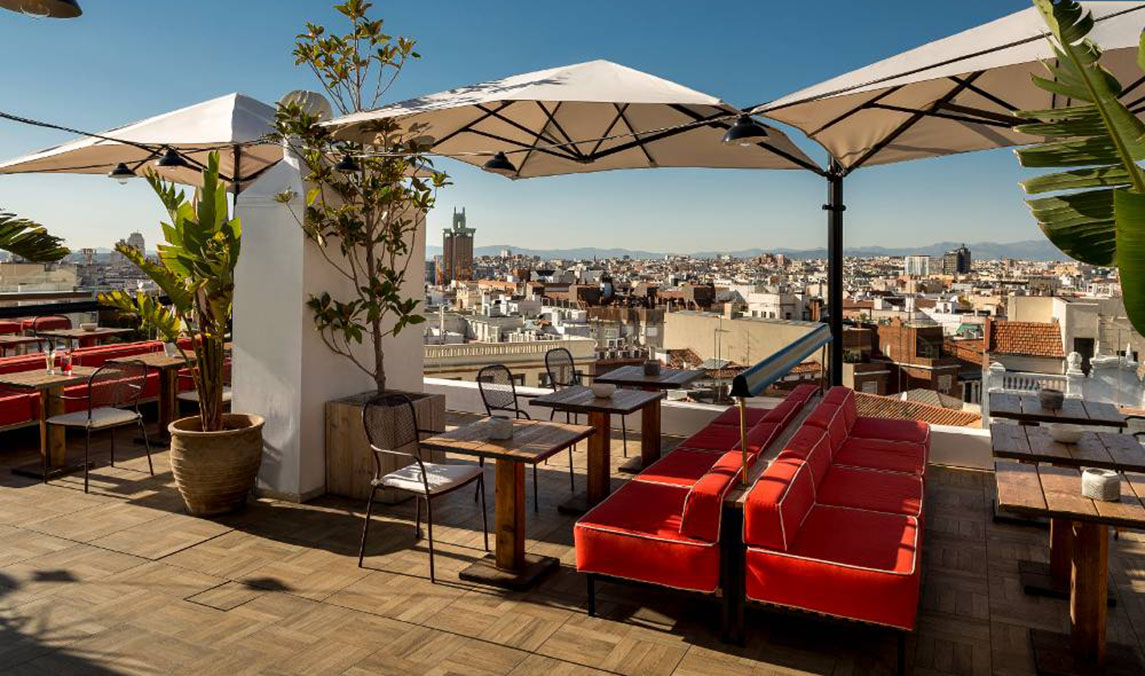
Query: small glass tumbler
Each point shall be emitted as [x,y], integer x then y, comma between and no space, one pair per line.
[50,360]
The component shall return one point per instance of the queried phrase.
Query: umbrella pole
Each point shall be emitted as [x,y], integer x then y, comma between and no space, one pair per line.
[236,173]
[835,209]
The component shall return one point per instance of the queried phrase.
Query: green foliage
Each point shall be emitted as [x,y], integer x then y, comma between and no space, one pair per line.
[196,271]
[29,240]
[362,221]
[1097,212]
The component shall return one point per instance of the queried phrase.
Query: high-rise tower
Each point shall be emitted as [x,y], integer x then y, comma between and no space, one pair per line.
[457,250]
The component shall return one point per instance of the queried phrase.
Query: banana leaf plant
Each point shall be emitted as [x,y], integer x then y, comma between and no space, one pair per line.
[28,240]
[1095,211]
[196,271]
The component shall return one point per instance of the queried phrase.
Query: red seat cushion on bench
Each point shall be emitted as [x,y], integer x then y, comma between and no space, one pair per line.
[7,328]
[681,467]
[635,534]
[846,563]
[705,500]
[731,416]
[862,453]
[18,409]
[912,431]
[874,490]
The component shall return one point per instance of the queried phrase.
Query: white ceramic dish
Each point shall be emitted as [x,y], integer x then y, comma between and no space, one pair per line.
[89,326]
[1066,434]
[500,427]
[602,390]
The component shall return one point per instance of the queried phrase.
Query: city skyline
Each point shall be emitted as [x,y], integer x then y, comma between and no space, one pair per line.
[735,209]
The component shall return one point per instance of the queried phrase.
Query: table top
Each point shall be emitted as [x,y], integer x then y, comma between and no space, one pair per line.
[156,360]
[1026,408]
[1043,490]
[80,333]
[633,376]
[1122,452]
[532,440]
[18,340]
[40,379]
[580,399]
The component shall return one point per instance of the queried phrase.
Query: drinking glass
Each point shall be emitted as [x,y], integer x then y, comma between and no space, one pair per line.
[66,362]
[50,359]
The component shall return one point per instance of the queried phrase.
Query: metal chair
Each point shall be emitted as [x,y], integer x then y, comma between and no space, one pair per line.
[563,373]
[49,323]
[499,394]
[391,426]
[112,396]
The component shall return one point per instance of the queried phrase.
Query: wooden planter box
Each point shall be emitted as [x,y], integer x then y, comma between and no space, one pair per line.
[349,460]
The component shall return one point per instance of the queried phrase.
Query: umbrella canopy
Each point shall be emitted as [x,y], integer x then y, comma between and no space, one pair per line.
[232,124]
[954,95]
[581,118]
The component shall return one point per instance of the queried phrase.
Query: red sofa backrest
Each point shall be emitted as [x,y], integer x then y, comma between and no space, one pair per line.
[28,362]
[98,356]
[705,500]
[812,445]
[7,327]
[845,397]
[802,393]
[777,504]
[47,323]
[831,418]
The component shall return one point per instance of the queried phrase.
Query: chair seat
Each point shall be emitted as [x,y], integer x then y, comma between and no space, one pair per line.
[101,418]
[440,477]
[193,396]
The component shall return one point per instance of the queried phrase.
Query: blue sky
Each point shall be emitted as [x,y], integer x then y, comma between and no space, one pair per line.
[129,59]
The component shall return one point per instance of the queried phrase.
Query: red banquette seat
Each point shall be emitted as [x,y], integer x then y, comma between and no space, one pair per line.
[663,527]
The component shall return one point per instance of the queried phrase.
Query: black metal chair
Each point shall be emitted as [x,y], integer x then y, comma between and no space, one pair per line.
[499,394]
[391,426]
[563,373]
[112,396]
[49,323]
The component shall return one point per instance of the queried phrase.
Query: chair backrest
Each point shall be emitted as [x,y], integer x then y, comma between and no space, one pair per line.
[498,391]
[705,500]
[560,367]
[391,426]
[117,385]
[777,504]
[50,323]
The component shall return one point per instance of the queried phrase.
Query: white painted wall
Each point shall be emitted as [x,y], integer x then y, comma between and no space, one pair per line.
[282,369]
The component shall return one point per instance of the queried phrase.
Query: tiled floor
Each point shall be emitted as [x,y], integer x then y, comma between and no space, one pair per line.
[121,581]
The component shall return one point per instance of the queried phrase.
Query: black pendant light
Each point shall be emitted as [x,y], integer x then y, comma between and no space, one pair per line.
[347,165]
[122,173]
[172,160]
[54,9]
[500,164]
[745,132]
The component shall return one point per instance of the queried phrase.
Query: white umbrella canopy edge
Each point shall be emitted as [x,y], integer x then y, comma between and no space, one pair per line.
[954,95]
[579,118]
[234,124]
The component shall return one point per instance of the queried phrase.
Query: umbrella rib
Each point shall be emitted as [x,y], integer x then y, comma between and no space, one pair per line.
[538,137]
[639,141]
[862,106]
[950,116]
[987,95]
[521,146]
[572,145]
[989,116]
[913,120]
[468,126]
[718,122]
[1135,85]
[608,130]
[699,121]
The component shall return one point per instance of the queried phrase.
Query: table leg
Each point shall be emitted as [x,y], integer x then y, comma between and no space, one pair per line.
[168,391]
[509,566]
[649,439]
[1053,579]
[1089,588]
[53,440]
[599,477]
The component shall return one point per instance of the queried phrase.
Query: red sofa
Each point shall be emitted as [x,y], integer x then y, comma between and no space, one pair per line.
[834,525]
[8,328]
[663,527]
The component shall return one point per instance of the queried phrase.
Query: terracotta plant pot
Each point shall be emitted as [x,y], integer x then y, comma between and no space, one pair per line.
[216,470]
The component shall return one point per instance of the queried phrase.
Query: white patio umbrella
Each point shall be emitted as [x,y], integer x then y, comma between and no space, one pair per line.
[580,118]
[231,124]
[953,95]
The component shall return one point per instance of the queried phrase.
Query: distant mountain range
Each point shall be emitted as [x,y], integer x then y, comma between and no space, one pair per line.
[1032,250]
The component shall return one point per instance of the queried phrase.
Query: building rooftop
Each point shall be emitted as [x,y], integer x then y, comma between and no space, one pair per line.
[878,406]
[1031,339]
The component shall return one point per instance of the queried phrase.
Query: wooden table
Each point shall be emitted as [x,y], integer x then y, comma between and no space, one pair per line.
[1026,409]
[1119,452]
[533,441]
[53,440]
[9,342]
[633,376]
[168,368]
[580,399]
[1055,492]
[77,335]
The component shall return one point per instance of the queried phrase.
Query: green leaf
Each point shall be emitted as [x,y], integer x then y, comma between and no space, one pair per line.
[1130,211]
[29,240]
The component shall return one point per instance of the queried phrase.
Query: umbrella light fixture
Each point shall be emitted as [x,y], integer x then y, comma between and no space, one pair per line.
[347,165]
[172,160]
[745,132]
[122,173]
[54,9]
[500,164]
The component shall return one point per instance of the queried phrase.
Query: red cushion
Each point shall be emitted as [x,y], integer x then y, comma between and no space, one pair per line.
[731,416]
[681,467]
[777,504]
[761,436]
[10,327]
[783,412]
[705,500]
[812,445]
[714,438]
[29,362]
[844,562]
[802,393]
[831,418]
[913,431]
[861,453]
[635,534]
[844,397]
[872,490]
[47,323]
[18,409]
[100,355]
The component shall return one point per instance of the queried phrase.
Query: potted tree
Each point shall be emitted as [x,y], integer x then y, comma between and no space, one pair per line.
[364,207]
[215,456]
